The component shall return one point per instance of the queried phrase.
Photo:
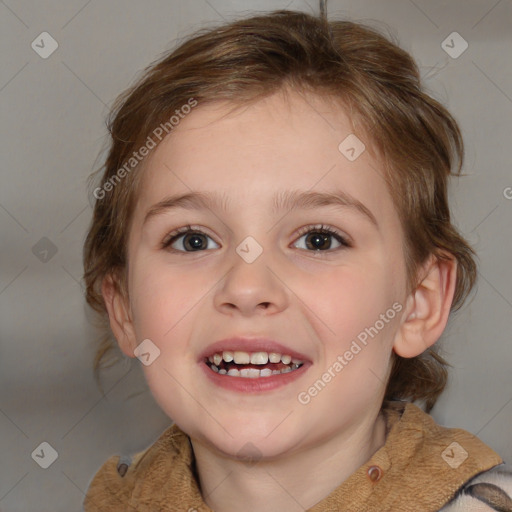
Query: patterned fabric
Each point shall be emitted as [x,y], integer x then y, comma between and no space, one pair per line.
[490,491]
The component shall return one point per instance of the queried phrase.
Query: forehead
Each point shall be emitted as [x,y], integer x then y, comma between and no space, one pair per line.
[248,153]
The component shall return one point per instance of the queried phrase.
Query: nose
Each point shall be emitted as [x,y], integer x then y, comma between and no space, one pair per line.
[251,288]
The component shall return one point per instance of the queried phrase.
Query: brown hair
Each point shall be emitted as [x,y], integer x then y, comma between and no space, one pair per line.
[418,142]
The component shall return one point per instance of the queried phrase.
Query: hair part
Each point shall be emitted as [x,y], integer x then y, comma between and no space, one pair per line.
[419,143]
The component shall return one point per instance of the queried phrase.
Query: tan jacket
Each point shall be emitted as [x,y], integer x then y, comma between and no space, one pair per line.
[421,468]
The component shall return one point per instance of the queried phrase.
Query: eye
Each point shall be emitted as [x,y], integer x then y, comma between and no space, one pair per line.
[317,238]
[187,239]
[320,239]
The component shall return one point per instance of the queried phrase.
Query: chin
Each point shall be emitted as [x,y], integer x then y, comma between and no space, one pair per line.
[252,451]
[250,442]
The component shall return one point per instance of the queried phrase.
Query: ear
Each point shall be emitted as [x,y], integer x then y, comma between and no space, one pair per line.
[119,315]
[427,308]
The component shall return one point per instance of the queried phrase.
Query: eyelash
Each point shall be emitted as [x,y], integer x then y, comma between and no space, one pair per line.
[325,230]
[321,228]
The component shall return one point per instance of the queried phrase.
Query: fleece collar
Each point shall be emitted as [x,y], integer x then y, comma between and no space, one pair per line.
[420,467]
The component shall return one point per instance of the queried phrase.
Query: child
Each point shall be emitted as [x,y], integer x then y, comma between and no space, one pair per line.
[272,239]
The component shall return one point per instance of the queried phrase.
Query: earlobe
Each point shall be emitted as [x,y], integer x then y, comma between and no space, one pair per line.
[119,315]
[427,308]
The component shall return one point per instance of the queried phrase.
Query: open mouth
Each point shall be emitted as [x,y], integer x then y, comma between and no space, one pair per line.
[252,365]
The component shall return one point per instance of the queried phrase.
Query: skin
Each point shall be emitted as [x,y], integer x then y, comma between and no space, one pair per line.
[314,301]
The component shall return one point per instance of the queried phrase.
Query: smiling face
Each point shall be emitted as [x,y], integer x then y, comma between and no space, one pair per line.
[309,290]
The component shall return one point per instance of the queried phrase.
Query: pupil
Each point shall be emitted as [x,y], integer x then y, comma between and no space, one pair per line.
[319,240]
[194,242]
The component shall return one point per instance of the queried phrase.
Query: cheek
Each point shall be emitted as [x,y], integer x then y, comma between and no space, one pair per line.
[350,298]
[358,321]
[162,297]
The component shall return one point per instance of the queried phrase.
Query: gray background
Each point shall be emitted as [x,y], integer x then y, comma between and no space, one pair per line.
[53,113]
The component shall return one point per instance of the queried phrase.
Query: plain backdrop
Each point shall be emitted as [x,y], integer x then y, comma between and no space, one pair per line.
[53,114]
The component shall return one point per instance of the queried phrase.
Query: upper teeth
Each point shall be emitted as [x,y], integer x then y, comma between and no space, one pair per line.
[252,357]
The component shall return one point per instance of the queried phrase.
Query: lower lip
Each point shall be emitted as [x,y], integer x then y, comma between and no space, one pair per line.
[258,385]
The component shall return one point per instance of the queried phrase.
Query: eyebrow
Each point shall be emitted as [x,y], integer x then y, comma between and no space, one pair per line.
[285,200]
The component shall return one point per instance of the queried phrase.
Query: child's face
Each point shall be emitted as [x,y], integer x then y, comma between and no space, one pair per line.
[314,302]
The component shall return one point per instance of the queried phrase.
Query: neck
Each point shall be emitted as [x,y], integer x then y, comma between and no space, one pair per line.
[295,482]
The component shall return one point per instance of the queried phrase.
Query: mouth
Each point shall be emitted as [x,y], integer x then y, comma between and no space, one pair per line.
[252,365]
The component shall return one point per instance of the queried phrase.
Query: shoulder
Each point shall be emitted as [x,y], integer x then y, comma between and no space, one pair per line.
[442,466]
[106,490]
[489,491]
[113,485]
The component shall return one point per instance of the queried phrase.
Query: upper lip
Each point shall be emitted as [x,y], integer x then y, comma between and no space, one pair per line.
[255,344]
